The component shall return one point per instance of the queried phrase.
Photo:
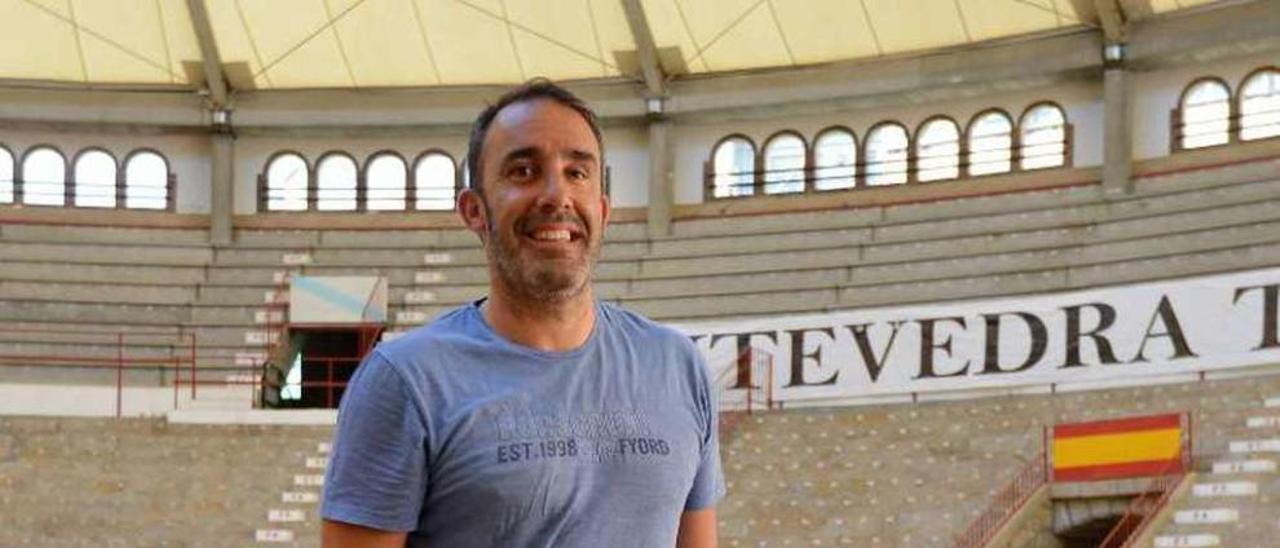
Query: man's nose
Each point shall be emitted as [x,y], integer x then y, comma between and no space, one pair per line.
[554,192]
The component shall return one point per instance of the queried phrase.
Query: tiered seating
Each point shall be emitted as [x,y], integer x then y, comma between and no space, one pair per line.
[917,474]
[1194,222]
[1232,497]
[144,482]
[95,282]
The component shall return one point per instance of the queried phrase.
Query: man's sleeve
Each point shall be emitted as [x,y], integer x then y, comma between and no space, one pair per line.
[377,475]
[708,483]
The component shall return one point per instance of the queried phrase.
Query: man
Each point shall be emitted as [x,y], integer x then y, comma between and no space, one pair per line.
[536,416]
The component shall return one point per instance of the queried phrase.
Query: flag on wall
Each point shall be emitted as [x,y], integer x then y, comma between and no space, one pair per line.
[1119,448]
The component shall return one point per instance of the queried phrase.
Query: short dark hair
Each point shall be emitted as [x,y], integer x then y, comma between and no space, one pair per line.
[535,89]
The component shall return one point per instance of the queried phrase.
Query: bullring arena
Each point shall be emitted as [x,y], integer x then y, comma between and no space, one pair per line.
[965,272]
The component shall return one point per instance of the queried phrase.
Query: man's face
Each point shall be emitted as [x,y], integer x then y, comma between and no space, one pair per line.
[543,212]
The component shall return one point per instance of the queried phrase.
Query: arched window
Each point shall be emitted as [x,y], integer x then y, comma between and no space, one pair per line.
[146,181]
[386,183]
[95,179]
[1206,113]
[835,157]
[433,177]
[784,164]
[6,176]
[887,146]
[990,143]
[938,150]
[1260,105]
[734,168]
[287,183]
[1043,137]
[44,177]
[336,183]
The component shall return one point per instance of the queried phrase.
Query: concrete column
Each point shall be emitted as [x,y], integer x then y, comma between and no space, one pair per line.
[660,183]
[1117,142]
[222,188]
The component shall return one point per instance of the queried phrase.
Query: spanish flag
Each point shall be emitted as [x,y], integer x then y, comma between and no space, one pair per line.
[1120,448]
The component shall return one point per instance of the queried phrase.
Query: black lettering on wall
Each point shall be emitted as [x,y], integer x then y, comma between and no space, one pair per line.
[1039,341]
[928,347]
[1172,330]
[1270,306]
[742,341]
[798,356]
[1106,317]
[873,364]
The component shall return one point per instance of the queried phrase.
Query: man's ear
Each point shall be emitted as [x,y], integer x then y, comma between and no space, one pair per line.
[606,207]
[473,213]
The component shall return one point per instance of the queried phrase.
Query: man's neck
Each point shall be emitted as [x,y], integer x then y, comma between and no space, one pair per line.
[555,326]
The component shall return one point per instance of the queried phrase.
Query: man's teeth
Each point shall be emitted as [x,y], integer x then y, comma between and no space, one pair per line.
[552,235]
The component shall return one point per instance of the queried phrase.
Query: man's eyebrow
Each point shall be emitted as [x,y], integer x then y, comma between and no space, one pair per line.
[582,156]
[520,154]
[577,155]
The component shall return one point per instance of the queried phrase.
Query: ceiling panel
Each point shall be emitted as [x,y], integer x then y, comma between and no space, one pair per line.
[751,41]
[612,29]
[898,24]
[232,36]
[670,30]
[317,62]
[555,36]
[470,45]
[377,43]
[385,45]
[819,32]
[988,19]
[127,41]
[41,46]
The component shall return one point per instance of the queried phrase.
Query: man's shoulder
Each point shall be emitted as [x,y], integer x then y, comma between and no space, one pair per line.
[634,324]
[447,328]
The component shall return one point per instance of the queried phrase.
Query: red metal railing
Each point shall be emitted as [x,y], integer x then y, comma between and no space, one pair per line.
[1144,507]
[125,346]
[751,373]
[368,337]
[752,369]
[1005,504]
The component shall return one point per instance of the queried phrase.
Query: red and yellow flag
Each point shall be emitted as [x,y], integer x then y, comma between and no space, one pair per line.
[1120,448]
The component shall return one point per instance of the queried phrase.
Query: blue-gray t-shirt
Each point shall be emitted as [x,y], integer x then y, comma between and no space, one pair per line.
[463,438]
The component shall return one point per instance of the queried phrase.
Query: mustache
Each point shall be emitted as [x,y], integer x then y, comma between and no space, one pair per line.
[528,223]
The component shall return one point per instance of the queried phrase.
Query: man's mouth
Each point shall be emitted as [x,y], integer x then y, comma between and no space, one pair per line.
[554,231]
[552,235]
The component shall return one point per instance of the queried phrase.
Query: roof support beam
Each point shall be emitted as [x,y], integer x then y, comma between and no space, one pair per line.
[209,50]
[1113,19]
[646,50]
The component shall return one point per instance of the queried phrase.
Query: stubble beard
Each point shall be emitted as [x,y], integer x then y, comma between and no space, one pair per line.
[545,282]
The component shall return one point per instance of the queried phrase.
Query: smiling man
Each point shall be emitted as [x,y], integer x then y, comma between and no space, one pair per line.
[537,416]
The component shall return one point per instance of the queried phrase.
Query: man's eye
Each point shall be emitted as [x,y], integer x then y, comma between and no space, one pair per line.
[519,172]
[579,173]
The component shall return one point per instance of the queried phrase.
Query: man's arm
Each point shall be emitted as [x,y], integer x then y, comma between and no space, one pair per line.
[697,529]
[336,534]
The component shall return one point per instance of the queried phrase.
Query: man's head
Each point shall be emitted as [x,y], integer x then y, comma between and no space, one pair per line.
[536,197]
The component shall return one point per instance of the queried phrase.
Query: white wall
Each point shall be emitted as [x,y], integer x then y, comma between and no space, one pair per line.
[1155,94]
[188,156]
[1082,102]
[627,150]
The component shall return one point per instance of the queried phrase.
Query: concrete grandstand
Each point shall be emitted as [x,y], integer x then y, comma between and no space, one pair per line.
[911,239]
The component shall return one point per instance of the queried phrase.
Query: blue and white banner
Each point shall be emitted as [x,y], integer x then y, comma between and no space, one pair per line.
[337,299]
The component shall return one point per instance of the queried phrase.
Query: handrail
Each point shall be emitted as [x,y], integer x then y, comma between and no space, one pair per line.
[119,361]
[1005,504]
[755,362]
[1144,507]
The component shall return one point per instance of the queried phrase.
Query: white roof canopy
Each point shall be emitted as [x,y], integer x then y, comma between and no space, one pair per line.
[279,44]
